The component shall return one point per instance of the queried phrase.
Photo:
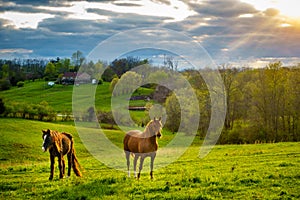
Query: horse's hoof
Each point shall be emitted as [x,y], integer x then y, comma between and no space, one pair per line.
[50,178]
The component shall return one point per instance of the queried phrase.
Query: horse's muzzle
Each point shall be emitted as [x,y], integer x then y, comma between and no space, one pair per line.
[158,135]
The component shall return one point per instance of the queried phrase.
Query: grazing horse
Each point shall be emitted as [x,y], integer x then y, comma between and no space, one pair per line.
[142,144]
[60,144]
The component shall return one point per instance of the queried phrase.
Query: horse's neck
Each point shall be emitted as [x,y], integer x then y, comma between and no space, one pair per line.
[147,133]
[149,136]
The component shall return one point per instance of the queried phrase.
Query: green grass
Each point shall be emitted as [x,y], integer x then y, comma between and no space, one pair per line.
[60,97]
[262,171]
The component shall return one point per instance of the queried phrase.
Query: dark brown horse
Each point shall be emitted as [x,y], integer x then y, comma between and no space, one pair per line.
[142,144]
[60,144]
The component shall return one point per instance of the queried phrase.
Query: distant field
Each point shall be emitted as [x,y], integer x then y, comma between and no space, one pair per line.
[263,171]
[60,97]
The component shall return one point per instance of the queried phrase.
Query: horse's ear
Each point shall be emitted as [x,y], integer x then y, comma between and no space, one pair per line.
[157,119]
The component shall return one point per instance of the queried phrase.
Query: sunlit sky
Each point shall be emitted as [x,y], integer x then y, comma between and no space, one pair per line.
[239,31]
[289,8]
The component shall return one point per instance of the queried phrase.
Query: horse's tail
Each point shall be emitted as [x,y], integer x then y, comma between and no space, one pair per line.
[75,164]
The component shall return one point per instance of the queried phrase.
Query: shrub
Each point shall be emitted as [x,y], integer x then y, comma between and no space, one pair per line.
[100,81]
[106,117]
[4,84]
[20,84]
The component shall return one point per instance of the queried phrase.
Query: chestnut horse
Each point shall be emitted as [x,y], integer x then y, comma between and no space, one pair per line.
[142,144]
[60,144]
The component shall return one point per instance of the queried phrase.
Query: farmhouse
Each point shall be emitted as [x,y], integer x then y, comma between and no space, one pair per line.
[70,77]
[83,78]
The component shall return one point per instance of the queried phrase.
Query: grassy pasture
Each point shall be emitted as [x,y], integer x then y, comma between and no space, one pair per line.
[262,171]
[59,97]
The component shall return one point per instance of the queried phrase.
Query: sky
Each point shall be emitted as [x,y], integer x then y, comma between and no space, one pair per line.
[241,32]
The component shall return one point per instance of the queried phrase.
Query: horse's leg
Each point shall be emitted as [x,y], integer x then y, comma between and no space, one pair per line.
[151,164]
[60,166]
[127,154]
[63,165]
[69,163]
[136,157]
[52,161]
[141,166]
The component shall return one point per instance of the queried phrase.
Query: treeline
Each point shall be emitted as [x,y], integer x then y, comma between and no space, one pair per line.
[41,111]
[14,72]
[44,112]
[263,105]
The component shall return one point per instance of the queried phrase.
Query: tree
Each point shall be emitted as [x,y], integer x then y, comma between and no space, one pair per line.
[106,117]
[4,73]
[229,78]
[121,66]
[182,111]
[4,84]
[173,113]
[113,84]
[109,74]
[77,59]
[128,83]
[45,112]
[171,63]
[292,108]
[50,72]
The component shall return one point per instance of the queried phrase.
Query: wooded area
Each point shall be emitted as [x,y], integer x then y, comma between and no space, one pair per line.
[263,105]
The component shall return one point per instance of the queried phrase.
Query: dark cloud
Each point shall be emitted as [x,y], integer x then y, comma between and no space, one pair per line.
[28,2]
[127,4]
[228,8]
[26,8]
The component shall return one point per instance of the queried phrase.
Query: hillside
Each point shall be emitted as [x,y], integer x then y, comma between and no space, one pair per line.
[263,171]
[59,97]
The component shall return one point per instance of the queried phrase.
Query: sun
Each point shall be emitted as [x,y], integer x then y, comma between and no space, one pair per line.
[288,8]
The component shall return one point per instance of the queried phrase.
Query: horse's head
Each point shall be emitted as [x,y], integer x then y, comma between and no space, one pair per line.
[47,140]
[155,127]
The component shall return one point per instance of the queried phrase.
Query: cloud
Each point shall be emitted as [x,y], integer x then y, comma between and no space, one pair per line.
[230,29]
[13,53]
[271,12]
[228,8]
[175,10]
[24,20]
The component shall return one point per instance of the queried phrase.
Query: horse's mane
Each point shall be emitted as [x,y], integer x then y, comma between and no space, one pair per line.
[149,129]
[57,139]
[68,135]
[149,123]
